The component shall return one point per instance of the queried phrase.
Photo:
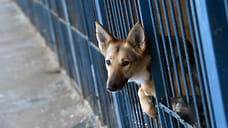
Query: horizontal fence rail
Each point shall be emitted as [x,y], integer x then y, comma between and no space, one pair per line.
[177,45]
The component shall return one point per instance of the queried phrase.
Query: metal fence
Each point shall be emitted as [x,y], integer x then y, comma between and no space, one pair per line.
[170,25]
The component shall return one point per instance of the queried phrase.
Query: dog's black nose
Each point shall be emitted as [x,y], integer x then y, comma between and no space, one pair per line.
[110,89]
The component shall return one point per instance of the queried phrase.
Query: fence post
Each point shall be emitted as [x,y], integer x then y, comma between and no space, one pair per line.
[213,33]
[68,25]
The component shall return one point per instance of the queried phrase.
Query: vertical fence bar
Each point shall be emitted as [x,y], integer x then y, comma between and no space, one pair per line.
[69,33]
[196,62]
[128,107]
[206,33]
[142,121]
[165,50]
[119,19]
[131,13]
[109,17]
[137,105]
[123,23]
[132,104]
[136,10]
[127,15]
[171,48]
[188,66]
[185,48]
[165,122]
[53,36]
[116,23]
[163,78]
[178,46]
[202,70]
[226,9]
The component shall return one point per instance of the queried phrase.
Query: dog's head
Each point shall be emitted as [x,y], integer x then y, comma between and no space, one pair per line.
[122,57]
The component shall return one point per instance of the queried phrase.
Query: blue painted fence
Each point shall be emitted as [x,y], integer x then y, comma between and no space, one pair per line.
[69,29]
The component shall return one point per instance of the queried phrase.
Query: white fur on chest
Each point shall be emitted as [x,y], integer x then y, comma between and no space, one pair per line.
[140,77]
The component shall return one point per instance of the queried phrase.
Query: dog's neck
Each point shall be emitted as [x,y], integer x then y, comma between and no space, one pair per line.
[143,77]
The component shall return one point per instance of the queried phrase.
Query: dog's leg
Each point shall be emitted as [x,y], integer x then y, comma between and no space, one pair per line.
[147,103]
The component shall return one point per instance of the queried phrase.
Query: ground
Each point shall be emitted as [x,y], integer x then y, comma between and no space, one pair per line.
[33,94]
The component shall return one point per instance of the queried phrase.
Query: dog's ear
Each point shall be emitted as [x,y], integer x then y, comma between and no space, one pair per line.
[136,37]
[103,37]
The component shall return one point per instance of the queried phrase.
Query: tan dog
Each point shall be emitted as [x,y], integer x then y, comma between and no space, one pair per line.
[128,60]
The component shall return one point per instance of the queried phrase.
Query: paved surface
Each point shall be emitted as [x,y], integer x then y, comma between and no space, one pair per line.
[33,94]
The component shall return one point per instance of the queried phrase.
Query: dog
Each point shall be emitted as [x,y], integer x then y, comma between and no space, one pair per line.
[129,60]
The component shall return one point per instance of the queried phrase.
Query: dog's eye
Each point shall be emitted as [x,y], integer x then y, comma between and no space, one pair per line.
[108,62]
[125,63]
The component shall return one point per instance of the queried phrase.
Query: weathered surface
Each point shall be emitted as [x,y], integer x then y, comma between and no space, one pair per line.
[32,94]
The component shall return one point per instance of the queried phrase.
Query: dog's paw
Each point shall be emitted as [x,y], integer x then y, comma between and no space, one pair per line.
[147,103]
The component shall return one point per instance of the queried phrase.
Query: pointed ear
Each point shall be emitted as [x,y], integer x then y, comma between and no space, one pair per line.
[136,37]
[103,37]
